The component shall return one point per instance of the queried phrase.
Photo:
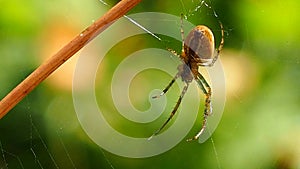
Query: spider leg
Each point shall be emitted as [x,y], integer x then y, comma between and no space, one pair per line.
[173,52]
[182,40]
[220,46]
[173,111]
[208,108]
[167,88]
[182,32]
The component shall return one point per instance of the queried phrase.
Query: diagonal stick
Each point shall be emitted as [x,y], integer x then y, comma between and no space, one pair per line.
[44,70]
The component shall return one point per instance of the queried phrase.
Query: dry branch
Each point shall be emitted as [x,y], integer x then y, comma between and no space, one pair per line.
[44,70]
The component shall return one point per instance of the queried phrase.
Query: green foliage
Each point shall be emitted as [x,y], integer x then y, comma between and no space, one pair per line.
[259,129]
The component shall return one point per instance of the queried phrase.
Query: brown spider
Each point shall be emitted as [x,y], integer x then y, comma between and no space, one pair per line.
[198,49]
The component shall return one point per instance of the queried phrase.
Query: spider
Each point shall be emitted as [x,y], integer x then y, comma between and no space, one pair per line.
[198,49]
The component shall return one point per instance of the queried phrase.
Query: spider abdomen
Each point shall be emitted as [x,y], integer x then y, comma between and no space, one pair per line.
[199,45]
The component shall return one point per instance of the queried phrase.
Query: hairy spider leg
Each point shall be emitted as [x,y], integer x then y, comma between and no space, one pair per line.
[208,108]
[182,33]
[173,52]
[172,82]
[182,39]
[167,88]
[217,52]
[198,78]
[173,111]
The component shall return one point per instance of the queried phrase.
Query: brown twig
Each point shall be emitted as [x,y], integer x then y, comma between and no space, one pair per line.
[44,70]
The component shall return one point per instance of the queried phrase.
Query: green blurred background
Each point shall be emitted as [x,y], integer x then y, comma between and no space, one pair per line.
[260,127]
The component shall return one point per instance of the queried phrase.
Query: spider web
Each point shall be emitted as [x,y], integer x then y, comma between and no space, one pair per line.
[196,8]
[29,140]
[40,150]
[37,151]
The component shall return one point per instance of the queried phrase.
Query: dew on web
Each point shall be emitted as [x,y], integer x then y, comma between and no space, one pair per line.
[106,159]
[135,23]
[65,149]
[35,130]
[36,159]
[143,28]
[104,3]
[16,157]
[3,163]
[5,155]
